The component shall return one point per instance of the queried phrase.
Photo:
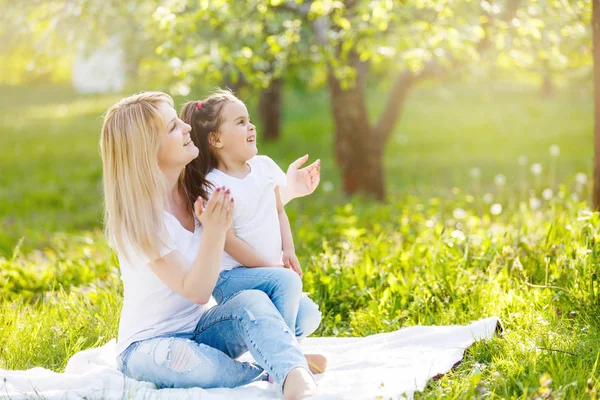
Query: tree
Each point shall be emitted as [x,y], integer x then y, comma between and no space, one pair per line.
[547,39]
[344,41]
[596,51]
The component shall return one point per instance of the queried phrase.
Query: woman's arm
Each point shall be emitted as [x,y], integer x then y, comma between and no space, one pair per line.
[198,282]
[301,182]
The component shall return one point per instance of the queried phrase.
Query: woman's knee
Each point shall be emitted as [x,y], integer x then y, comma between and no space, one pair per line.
[171,363]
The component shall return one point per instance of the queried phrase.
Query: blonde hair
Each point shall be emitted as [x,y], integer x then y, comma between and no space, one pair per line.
[134,185]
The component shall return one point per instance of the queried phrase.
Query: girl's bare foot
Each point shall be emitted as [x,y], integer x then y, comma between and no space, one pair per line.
[316,362]
[299,384]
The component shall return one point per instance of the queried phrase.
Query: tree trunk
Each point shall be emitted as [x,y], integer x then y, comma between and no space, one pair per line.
[547,88]
[269,109]
[596,56]
[236,86]
[358,154]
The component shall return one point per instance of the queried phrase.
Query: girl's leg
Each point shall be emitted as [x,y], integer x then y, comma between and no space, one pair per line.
[309,317]
[248,321]
[282,285]
[173,362]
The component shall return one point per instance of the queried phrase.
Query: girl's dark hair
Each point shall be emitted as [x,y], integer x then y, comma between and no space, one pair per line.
[205,118]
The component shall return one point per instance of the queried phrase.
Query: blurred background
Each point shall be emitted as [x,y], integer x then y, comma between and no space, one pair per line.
[396,97]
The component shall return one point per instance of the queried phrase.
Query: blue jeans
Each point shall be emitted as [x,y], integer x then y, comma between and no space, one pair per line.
[284,288]
[206,357]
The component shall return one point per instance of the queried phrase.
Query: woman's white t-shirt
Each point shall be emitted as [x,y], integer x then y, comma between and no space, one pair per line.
[151,308]
[255,217]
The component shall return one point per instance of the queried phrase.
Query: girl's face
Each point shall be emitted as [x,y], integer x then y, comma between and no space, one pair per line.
[237,135]
[176,148]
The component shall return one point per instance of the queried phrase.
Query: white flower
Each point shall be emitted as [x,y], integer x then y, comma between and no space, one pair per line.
[581,178]
[459,213]
[475,172]
[328,186]
[523,160]
[500,180]
[554,150]
[536,169]
[547,194]
[488,198]
[496,209]
[534,203]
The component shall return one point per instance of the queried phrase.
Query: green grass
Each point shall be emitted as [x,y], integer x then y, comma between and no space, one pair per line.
[439,251]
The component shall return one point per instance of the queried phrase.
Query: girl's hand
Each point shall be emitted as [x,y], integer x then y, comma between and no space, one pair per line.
[217,215]
[302,182]
[291,261]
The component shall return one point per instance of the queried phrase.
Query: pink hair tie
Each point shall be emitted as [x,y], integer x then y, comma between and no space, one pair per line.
[198,104]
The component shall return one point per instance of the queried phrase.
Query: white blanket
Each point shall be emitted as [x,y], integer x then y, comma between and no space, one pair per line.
[386,365]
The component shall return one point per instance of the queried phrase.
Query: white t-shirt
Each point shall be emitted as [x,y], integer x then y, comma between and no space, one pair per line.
[151,308]
[255,217]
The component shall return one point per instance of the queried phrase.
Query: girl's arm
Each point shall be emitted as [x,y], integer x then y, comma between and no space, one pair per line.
[197,283]
[243,253]
[287,240]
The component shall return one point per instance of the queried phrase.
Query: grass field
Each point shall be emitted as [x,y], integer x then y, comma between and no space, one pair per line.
[483,217]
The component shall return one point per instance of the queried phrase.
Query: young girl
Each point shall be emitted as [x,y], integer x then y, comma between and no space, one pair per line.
[261,238]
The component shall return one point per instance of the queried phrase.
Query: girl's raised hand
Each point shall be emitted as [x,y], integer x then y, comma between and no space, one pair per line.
[303,181]
[218,212]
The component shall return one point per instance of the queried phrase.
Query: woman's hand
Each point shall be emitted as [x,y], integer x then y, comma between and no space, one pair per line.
[302,182]
[217,215]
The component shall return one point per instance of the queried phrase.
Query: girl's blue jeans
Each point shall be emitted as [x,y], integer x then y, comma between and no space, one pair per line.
[247,321]
[284,288]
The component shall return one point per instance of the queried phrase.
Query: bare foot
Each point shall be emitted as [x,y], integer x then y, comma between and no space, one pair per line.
[316,362]
[299,384]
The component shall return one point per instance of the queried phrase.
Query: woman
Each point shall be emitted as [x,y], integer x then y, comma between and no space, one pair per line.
[169,249]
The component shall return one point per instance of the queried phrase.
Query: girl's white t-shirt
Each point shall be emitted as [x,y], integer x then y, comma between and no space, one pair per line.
[151,308]
[255,217]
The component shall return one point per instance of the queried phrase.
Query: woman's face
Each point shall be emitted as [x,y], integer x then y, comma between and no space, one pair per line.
[176,148]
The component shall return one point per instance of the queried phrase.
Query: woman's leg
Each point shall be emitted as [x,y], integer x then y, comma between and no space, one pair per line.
[172,362]
[309,317]
[282,285]
[248,321]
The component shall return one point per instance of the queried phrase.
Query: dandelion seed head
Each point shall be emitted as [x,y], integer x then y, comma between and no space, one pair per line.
[547,194]
[475,172]
[488,198]
[496,209]
[534,203]
[581,178]
[459,213]
[554,150]
[500,180]
[536,169]
[523,160]
[458,235]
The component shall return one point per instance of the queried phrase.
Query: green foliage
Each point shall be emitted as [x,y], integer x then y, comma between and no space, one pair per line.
[454,242]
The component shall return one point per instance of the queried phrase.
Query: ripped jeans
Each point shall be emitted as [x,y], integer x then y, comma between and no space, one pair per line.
[284,288]
[205,358]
